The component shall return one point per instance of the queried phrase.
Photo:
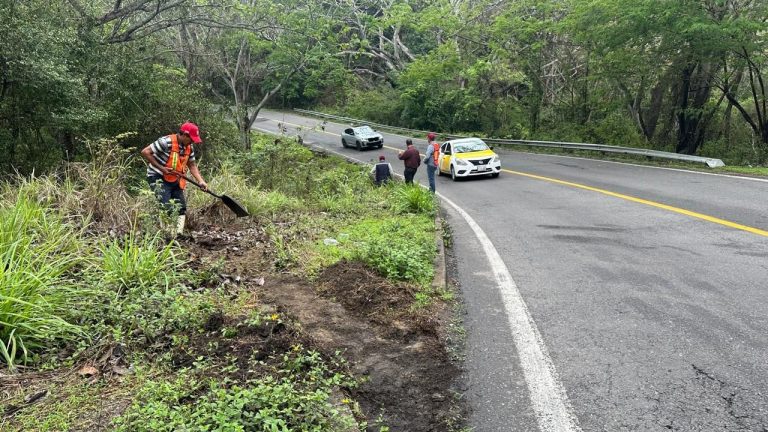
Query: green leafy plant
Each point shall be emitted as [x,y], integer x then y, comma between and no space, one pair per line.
[295,397]
[399,247]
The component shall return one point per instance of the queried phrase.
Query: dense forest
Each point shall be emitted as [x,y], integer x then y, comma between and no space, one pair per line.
[679,75]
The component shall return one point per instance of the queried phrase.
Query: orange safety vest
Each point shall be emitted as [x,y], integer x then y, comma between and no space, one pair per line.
[177,162]
[436,152]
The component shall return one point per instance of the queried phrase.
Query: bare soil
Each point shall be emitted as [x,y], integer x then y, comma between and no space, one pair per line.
[408,374]
[408,377]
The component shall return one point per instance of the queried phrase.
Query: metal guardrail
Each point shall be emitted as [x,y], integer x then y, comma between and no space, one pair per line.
[604,148]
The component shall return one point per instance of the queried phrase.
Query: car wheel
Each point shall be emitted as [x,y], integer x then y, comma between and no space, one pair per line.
[343,143]
[495,175]
[359,146]
[453,174]
[381,145]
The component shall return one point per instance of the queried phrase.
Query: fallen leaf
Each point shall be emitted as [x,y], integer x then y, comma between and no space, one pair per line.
[88,370]
[260,281]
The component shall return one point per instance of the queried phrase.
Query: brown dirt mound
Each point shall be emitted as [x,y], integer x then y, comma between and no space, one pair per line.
[362,291]
[409,377]
[366,294]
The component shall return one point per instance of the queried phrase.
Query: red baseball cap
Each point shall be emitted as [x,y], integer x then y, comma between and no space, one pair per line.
[431,136]
[192,130]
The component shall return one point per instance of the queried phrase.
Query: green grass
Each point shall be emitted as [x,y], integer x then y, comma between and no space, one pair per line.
[38,253]
[137,263]
[297,396]
[414,199]
[69,405]
[753,171]
[399,247]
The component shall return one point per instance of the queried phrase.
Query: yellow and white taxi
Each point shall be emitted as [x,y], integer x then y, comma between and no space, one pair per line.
[467,157]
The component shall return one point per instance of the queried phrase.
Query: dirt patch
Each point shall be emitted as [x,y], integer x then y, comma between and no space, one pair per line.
[235,252]
[409,377]
[235,345]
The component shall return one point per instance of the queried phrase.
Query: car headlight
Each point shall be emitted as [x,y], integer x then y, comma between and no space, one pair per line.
[496,160]
[461,162]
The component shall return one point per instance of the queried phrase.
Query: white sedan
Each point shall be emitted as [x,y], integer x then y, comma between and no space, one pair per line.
[468,157]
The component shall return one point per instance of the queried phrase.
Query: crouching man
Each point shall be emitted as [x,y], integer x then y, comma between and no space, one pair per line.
[381,172]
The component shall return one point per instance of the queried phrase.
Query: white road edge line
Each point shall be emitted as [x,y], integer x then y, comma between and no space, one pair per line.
[550,402]
[554,412]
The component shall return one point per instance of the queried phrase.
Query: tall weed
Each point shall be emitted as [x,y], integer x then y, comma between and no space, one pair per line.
[137,262]
[102,183]
[413,199]
[38,253]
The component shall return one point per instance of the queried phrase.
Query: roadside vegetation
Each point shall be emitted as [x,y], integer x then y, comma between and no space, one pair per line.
[681,76]
[108,323]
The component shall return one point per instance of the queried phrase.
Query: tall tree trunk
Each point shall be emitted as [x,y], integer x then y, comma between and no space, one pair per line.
[694,93]
[732,87]
[584,111]
[67,143]
[535,98]
[652,114]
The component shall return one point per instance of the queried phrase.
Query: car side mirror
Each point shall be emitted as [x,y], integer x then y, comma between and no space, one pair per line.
[491,147]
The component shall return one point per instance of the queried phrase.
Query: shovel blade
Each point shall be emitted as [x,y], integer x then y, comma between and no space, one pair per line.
[233,205]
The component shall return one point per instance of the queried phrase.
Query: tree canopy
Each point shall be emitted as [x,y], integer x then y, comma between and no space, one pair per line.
[680,75]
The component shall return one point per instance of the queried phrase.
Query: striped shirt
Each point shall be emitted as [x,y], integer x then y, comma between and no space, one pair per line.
[161,149]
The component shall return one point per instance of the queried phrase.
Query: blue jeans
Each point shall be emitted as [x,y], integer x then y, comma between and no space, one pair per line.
[169,194]
[431,176]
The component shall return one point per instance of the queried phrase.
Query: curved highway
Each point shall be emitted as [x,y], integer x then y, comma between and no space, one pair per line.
[646,291]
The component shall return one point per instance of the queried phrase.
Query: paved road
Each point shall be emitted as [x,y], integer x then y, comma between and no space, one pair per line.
[652,319]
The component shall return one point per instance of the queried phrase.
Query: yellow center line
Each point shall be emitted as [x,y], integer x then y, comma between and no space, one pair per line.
[678,210]
[693,214]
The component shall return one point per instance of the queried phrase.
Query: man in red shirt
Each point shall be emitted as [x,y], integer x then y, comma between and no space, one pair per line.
[411,160]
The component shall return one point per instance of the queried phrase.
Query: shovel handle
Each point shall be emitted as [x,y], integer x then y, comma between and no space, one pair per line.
[196,184]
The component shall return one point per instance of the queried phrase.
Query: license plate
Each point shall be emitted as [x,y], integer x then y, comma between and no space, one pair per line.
[481,168]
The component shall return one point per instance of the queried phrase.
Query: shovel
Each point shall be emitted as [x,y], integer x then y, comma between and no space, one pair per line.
[233,205]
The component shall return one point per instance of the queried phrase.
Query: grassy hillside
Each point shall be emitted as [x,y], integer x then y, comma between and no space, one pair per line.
[109,322]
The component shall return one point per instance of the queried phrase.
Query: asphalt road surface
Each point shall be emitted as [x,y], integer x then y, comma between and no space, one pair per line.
[625,298]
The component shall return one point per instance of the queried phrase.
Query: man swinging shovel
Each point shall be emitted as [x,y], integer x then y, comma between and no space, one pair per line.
[168,159]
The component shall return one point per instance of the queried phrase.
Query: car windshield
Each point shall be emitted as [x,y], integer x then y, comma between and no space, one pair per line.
[470,147]
[364,130]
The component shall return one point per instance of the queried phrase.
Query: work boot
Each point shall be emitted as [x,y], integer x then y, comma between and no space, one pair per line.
[180,225]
